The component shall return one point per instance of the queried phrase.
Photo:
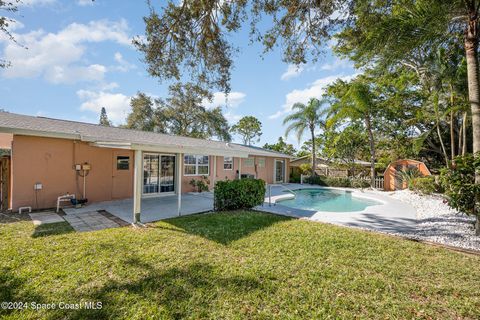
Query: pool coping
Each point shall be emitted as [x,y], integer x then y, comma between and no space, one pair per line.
[358,193]
[392,216]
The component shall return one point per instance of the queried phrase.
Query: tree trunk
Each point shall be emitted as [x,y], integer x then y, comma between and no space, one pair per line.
[314,152]
[460,137]
[452,123]
[464,134]
[471,52]
[439,133]
[371,142]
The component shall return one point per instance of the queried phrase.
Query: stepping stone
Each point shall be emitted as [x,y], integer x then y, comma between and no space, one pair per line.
[40,218]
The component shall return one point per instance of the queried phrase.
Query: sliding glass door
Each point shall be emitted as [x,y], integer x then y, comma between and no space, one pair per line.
[158,173]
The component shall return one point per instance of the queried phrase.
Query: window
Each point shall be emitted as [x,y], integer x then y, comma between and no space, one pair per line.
[123,163]
[249,163]
[261,162]
[227,163]
[194,165]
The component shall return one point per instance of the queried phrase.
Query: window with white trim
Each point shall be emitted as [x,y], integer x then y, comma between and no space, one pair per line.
[227,163]
[249,163]
[261,162]
[195,165]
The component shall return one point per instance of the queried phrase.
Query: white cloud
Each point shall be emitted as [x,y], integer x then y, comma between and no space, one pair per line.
[58,57]
[232,117]
[68,74]
[33,3]
[314,90]
[123,65]
[14,24]
[84,3]
[233,100]
[336,65]
[292,71]
[117,105]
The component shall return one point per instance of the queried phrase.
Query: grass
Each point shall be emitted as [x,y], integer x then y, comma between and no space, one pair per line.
[235,265]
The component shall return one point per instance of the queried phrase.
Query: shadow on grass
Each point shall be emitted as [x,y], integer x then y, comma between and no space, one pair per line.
[175,293]
[226,227]
[14,289]
[51,229]
[13,217]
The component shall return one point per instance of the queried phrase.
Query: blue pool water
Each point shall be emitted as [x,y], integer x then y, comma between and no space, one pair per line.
[327,200]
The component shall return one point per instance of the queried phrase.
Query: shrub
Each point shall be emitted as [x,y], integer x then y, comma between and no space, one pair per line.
[239,194]
[295,178]
[200,184]
[423,185]
[459,183]
[319,180]
[338,182]
[360,183]
[409,175]
[305,168]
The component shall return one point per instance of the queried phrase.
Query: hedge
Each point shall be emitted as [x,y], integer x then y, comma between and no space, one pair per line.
[338,182]
[238,194]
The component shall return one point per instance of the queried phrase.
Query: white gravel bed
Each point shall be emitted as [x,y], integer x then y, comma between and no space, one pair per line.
[437,222]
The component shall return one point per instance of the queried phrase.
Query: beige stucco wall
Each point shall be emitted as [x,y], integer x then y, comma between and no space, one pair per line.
[51,162]
[266,173]
[6,140]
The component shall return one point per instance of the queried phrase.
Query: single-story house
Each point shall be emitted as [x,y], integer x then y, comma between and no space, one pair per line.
[52,157]
[393,173]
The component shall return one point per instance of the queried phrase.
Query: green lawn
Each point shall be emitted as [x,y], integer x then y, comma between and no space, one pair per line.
[234,265]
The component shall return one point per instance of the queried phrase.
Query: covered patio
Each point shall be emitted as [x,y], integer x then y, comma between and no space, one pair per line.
[153,209]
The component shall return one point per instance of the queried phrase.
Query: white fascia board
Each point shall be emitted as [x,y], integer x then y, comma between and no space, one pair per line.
[190,150]
[39,133]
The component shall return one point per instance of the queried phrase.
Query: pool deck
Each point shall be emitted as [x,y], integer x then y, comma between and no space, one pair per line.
[391,216]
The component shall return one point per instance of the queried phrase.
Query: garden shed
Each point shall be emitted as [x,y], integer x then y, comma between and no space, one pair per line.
[393,174]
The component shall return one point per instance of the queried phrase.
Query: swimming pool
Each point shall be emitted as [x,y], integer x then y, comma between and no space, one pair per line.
[331,200]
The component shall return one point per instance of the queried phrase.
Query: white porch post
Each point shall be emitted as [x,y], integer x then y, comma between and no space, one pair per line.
[179,182]
[239,168]
[214,170]
[137,186]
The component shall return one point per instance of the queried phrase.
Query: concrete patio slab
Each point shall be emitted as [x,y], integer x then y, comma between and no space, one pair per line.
[390,216]
[153,209]
[90,221]
[40,218]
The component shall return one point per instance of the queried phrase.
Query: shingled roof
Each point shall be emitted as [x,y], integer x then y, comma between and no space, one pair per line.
[115,137]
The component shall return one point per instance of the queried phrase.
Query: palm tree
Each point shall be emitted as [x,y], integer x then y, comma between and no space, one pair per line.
[356,103]
[305,117]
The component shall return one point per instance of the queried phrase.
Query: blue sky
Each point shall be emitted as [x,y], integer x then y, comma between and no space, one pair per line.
[77,57]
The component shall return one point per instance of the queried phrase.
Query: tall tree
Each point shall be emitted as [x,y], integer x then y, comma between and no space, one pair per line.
[354,101]
[104,118]
[346,145]
[182,113]
[142,115]
[192,38]
[281,146]
[306,117]
[249,128]
[392,32]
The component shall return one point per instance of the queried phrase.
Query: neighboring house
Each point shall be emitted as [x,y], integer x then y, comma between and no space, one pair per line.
[325,166]
[52,157]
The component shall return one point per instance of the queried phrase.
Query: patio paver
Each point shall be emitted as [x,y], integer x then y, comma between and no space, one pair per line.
[40,218]
[153,209]
[90,221]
